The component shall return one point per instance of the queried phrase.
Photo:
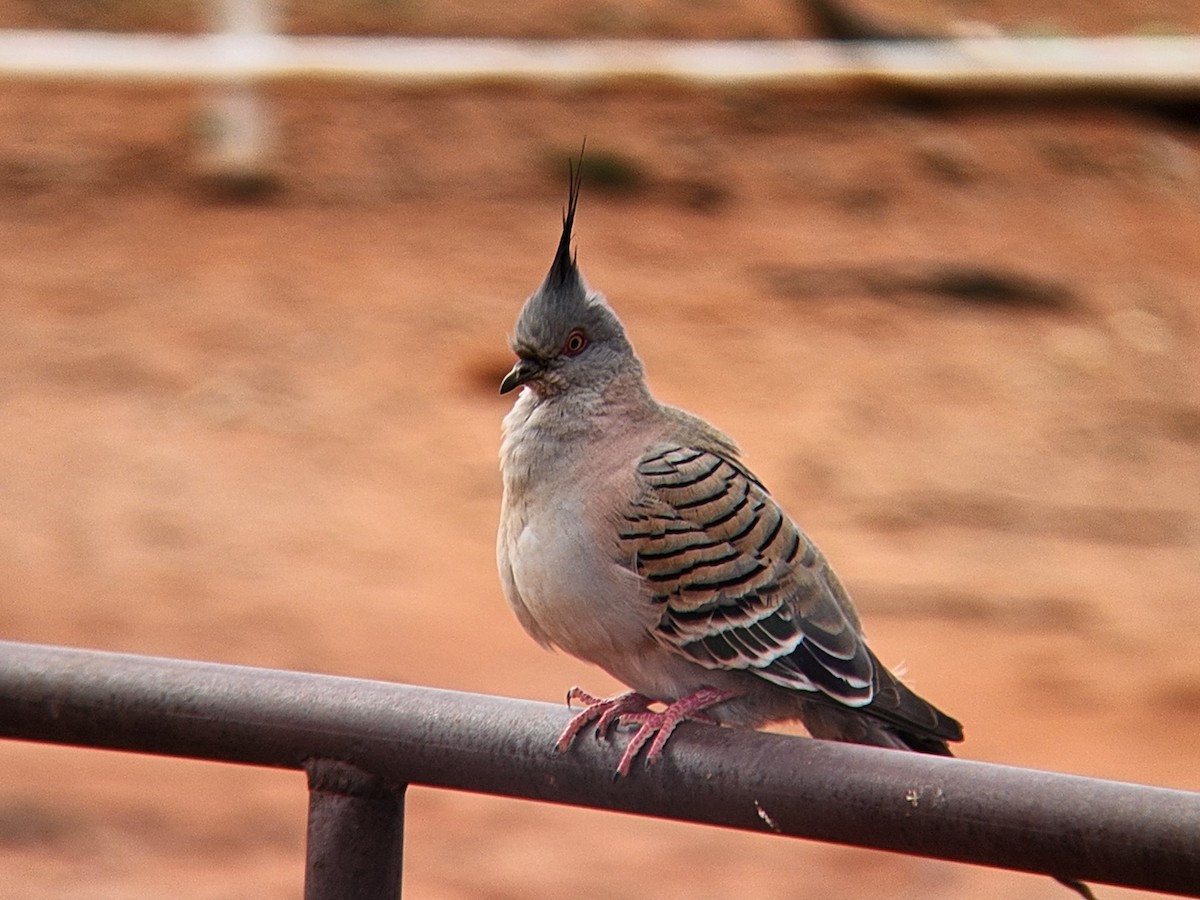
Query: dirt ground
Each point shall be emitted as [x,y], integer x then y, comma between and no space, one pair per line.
[959,344]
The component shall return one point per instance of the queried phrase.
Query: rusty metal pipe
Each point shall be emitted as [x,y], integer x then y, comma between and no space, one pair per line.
[355,834]
[1085,828]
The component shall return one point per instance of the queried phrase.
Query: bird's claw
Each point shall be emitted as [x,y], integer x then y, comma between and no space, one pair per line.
[607,712]
[632,709]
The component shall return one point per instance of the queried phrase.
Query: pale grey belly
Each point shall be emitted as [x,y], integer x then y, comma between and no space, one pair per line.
[574,592]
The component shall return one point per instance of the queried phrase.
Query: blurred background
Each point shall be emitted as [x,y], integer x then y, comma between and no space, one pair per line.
[252,417]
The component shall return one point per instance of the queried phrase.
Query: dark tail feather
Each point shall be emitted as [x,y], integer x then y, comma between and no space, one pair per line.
[918,724]
[1077,886]
[921,743]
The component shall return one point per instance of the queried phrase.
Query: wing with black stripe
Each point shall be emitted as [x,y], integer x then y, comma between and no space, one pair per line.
[740,585]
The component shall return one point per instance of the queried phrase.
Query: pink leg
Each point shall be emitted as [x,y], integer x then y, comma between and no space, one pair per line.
[633,709]
[690,707]
[607,711]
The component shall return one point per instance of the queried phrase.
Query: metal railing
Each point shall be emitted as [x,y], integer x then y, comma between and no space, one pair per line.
[363,742]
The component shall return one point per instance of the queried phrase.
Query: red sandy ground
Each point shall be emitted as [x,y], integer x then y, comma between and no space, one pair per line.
[266,433]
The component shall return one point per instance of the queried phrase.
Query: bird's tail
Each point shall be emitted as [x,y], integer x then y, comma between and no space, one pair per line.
[922,743]
[1077,886]
[906,721]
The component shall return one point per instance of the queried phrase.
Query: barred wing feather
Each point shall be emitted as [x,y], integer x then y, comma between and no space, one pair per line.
[741,586]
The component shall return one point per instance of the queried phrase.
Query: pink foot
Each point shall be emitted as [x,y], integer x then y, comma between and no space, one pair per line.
[606,711]
[634,709]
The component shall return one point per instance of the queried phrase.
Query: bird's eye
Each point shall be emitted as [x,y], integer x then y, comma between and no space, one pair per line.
[575,343]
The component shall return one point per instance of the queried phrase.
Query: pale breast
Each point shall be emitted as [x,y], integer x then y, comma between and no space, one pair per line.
[559,553]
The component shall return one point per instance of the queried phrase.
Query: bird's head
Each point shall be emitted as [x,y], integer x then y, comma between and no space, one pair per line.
[567,336]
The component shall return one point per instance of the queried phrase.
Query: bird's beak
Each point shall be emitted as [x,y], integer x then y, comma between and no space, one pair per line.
[523,371]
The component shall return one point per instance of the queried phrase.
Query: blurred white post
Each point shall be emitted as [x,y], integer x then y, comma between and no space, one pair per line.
[239,133]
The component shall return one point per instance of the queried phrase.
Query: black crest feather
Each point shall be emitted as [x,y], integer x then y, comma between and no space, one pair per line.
[563,270]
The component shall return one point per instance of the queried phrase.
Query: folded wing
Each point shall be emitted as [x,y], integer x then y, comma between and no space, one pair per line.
[741,587]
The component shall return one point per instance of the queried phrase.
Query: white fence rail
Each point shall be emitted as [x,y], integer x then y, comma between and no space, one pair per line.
[244,51]
[1157,66]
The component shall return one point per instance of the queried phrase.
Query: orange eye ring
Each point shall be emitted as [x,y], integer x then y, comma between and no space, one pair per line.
[575,343]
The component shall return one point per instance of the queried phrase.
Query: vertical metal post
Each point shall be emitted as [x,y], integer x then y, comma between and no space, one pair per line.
[238,135]
[355,834]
